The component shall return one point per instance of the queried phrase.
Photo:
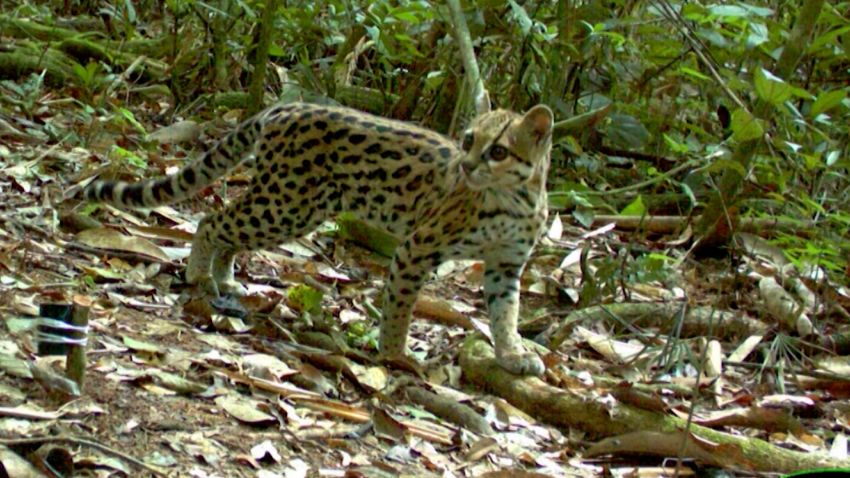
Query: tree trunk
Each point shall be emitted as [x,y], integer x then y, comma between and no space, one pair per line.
[261,57]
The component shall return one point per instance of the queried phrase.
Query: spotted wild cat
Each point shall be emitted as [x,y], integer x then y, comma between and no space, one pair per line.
[484,200]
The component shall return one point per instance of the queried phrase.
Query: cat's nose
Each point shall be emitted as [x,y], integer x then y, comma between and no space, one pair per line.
[467,165]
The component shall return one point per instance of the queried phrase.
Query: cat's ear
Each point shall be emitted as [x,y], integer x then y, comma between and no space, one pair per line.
[538,122]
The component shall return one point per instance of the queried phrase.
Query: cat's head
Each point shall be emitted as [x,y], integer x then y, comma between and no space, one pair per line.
[503,149]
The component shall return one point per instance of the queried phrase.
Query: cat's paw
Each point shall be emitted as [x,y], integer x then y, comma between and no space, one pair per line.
[521,363]
[233,288]
[203,286]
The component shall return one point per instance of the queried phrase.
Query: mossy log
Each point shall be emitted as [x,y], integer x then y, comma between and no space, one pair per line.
[365,99]
[569,409]
[76,45]
[22,28]
[25,59]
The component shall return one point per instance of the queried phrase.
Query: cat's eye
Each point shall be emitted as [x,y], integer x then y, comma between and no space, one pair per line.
[497,153]
[468,139]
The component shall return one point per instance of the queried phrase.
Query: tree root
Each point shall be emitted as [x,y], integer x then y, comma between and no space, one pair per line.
[567,408]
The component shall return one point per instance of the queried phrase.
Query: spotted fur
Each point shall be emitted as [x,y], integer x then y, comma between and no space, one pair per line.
[486,199]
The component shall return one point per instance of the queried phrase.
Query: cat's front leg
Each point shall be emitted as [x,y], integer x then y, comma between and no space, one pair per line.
[501,291]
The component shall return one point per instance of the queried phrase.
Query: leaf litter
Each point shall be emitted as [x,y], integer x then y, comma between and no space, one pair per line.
[289,387]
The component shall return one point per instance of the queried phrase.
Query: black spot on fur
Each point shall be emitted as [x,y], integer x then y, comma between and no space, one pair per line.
[356,138]
[402,172]
[189,176]
[311,143]
[414,185]
[378,174]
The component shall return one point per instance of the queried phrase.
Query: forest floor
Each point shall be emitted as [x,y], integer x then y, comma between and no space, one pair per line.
[285,384]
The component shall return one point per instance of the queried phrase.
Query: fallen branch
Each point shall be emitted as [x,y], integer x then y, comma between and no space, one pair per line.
[697,321]
[673,224]
[82,442]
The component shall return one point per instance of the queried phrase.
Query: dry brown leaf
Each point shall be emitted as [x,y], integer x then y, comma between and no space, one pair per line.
[244,410]
[105,238]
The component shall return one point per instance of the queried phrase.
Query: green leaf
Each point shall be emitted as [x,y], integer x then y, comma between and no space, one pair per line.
[745,127]
[128,115]
[771,88]
[627,131]
[730,11]
[634,208]
[583,216]
[693,73]
[129,156]
[826,101]
[758,35]
[758,11]
[674,145]
[276,51]
[690,193]
[721,164]
[521,16]
[827,38]
[305,298]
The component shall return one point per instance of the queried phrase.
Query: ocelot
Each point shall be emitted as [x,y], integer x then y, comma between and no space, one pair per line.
[485,199]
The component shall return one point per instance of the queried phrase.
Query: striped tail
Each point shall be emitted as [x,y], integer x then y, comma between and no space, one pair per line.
[215,162]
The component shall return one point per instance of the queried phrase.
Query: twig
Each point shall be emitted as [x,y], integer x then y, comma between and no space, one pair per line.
[661,177]
[579,123]
[450,410]
[790,370]
[660,161]
[82,442]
